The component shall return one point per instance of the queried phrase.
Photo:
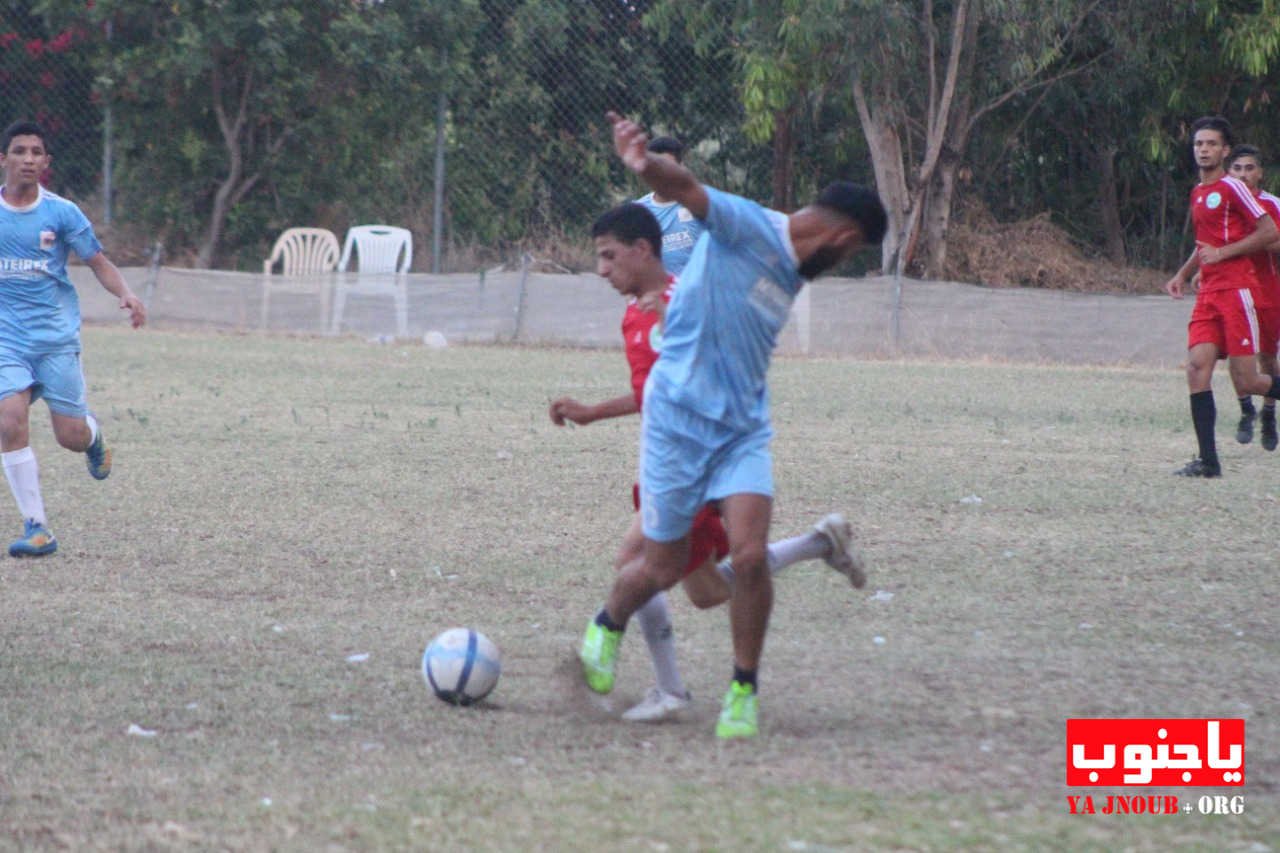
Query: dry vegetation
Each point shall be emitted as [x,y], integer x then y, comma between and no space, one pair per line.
[1034,253]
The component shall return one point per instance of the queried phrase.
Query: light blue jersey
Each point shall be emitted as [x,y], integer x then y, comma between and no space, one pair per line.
[39,308]
[680,231]
[734,297]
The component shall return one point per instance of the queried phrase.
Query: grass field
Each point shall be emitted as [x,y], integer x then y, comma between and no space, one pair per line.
[281,505]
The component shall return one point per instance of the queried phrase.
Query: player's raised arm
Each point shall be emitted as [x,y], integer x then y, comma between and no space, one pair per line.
[666,178]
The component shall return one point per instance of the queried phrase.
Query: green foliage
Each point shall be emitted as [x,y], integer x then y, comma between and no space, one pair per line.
[340,114]
[46,76]
[1151,71]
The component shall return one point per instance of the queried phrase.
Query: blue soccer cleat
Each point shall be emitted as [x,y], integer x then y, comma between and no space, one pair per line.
[98,458]
[36,541]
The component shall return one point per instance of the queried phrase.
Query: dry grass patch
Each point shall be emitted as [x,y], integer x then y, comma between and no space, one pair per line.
[280,505]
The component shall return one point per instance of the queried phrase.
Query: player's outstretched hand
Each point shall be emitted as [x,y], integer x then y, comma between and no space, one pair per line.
[569,409]
[137,311]
[629,140]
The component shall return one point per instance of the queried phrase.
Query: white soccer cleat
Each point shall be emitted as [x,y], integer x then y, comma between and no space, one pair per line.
[844,558]
[657,705]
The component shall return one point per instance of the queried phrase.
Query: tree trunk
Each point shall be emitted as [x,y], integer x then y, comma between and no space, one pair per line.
[218,217]
[891,179]
[937,214]
[954,126]
[783,160]
[232,132]
[1109,204]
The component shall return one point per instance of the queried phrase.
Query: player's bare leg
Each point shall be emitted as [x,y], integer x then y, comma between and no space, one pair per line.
[706,587]
[632,588]
[82,435]
[746,519]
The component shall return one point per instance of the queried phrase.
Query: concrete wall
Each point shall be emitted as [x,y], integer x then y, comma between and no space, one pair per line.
[833,316]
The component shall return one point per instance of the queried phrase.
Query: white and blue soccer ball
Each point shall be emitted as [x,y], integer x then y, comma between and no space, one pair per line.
[461,666]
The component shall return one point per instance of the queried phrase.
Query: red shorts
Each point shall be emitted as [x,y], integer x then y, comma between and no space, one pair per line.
[707,537]
[1268,329]
[1226,319]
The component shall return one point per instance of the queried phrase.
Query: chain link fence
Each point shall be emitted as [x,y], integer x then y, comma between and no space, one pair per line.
[46,75]
[496,153]
[526,147]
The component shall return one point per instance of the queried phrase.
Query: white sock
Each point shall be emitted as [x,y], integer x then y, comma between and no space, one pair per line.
[93,427]
[807,546]
[23,474]
[786,552]
[655,622]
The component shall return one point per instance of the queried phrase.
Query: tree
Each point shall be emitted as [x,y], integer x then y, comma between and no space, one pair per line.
[918,75]
[1106,149]
[226,85]
[45,76]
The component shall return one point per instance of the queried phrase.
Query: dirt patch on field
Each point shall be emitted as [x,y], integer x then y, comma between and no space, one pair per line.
[1034,253]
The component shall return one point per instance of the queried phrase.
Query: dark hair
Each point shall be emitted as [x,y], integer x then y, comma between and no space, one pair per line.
[1246,151]
[1217,123]
[22,128]
[860,204]
[630,222]
[667,145]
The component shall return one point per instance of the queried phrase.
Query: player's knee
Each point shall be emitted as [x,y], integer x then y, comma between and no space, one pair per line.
[13,426]
[750,559]
[71,439]
[663,575]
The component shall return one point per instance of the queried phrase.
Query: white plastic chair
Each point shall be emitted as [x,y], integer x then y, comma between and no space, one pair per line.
[384,254]
[308,252]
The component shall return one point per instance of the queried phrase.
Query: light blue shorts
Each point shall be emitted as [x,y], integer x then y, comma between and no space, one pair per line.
[687,460]
[56,377]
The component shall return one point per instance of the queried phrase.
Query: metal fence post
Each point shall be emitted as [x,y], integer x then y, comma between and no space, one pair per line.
[437,212]
[107,149]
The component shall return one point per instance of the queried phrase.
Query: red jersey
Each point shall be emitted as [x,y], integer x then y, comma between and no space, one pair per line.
[1264,262]
[642,339]
[1225,211]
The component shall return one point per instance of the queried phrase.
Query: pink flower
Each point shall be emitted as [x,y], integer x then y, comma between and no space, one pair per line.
[61,43]
[7,39]
[48,80]
[35,47]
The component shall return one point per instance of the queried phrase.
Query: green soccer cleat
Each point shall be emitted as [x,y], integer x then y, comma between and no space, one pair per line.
[36,541]
[738,716]
[598,654]
[98,458]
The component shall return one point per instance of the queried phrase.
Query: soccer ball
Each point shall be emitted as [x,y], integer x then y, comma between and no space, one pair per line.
[461,666]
